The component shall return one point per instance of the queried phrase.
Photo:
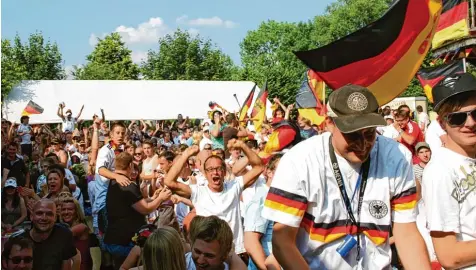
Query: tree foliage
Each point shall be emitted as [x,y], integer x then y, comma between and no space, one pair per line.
[110,60]
[268,51]
[36,59]
[181,56]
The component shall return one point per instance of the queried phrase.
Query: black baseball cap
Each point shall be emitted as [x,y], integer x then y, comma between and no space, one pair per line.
[353,108]
[452,85]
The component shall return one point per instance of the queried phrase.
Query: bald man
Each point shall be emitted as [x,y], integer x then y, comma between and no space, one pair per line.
[53,244]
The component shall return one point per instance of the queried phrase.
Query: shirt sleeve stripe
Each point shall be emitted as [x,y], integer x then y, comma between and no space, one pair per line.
[288,195]
[283,208]
[405,193]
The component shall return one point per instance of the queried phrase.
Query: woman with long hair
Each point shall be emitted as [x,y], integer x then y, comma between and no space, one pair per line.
[55,183]
[13,206]
[163,250]
[72,214]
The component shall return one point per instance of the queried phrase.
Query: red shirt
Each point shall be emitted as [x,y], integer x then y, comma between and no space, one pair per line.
[413,130]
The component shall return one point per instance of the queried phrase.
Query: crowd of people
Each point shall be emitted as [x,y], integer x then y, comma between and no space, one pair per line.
[371,188]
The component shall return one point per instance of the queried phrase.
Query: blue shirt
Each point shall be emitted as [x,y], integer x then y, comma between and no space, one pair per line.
[254,222]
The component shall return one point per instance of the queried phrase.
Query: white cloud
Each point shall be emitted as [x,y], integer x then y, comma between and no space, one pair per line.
[145,33]
[212,22]
[138,56]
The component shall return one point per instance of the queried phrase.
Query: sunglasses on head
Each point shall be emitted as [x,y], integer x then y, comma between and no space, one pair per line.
[457,119]
[18,259]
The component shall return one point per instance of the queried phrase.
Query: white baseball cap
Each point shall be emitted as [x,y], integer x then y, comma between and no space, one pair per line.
[206,128]
[11,182]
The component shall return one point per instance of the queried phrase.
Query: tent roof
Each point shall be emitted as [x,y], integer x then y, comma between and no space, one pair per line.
[125,100]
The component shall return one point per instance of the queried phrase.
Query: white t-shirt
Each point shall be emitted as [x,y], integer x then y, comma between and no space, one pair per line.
[68,125]
[305,194]
[433,134]
[225,205]
[25,138]
[423,120]
[250,192]
[390,132]
[77,192]
[449,193]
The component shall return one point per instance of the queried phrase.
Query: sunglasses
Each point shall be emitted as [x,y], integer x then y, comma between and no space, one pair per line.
[18,259]
[457,119]
[138,154]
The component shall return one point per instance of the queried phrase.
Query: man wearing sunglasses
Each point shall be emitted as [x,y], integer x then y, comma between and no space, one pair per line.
[449,179]
[338,195]
[18,254]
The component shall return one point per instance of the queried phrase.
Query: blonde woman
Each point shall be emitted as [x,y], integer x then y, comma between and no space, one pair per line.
[163,250]
[72,214]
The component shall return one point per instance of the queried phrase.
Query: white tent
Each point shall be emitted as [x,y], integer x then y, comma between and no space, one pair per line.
[126,100]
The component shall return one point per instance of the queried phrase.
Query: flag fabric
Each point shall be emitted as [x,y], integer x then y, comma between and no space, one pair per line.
[247,104]
[310,97]
[453,24]
[258,114]
[284,134]
[32,108]
[393,48]
[429,77]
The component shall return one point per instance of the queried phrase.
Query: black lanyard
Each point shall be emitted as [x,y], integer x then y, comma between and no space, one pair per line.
[338,175]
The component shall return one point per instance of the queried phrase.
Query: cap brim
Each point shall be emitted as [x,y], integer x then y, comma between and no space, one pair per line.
[437,106]
[352,123]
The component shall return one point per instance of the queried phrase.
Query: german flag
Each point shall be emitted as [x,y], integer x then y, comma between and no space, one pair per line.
[429,77]
[286,202]
[284,134]
[404,201]
[247,104]
[453,23]
[258,114]
[32,108]
[310,97]
[392,50]
[329,232]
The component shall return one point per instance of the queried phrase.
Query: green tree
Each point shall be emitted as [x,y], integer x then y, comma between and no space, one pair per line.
[181,56]
[110,60]
[33,60]
[267,54]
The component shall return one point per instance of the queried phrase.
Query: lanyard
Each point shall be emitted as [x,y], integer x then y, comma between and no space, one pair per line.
[361,181]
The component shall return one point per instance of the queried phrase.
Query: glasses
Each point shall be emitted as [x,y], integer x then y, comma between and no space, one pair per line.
[216,169]
[18,259]
[138,154]
[207,148]
[457,119]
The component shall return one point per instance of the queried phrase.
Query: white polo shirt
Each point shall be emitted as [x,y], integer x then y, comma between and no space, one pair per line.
[305,194]
[449,193]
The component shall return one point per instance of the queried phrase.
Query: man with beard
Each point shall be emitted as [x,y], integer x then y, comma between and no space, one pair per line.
[17,254]
[53,244]
[337,195]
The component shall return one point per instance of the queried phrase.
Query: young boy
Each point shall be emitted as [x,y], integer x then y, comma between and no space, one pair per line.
[448,187]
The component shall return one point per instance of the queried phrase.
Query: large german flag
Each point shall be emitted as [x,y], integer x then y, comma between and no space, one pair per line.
[429,77]
[310,98]
[453,23]
[383,56]
[32,108]
[284,134]
[258,114]
[245,107]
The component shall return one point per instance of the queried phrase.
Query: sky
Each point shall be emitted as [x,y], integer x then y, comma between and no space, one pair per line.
[76,25]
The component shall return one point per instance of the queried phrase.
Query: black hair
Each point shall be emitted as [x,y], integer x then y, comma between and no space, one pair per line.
[18,240]
[168,155]
[15,202]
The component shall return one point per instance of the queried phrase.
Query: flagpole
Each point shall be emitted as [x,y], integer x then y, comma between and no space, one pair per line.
[324,93]
[236,98]
[464,65]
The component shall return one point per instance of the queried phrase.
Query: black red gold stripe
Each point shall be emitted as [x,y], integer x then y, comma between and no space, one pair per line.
[405,200]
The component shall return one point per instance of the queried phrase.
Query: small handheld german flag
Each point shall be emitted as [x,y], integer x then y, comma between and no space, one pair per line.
[430,77]
[32,108]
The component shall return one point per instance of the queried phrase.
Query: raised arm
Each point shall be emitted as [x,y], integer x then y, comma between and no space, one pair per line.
[288,111]
[277,101]
[254,160]
[80,112]
[60,112]
[171,177]
[103,115]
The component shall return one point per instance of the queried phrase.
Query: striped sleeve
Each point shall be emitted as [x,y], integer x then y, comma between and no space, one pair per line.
[286,201]
[404,196]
